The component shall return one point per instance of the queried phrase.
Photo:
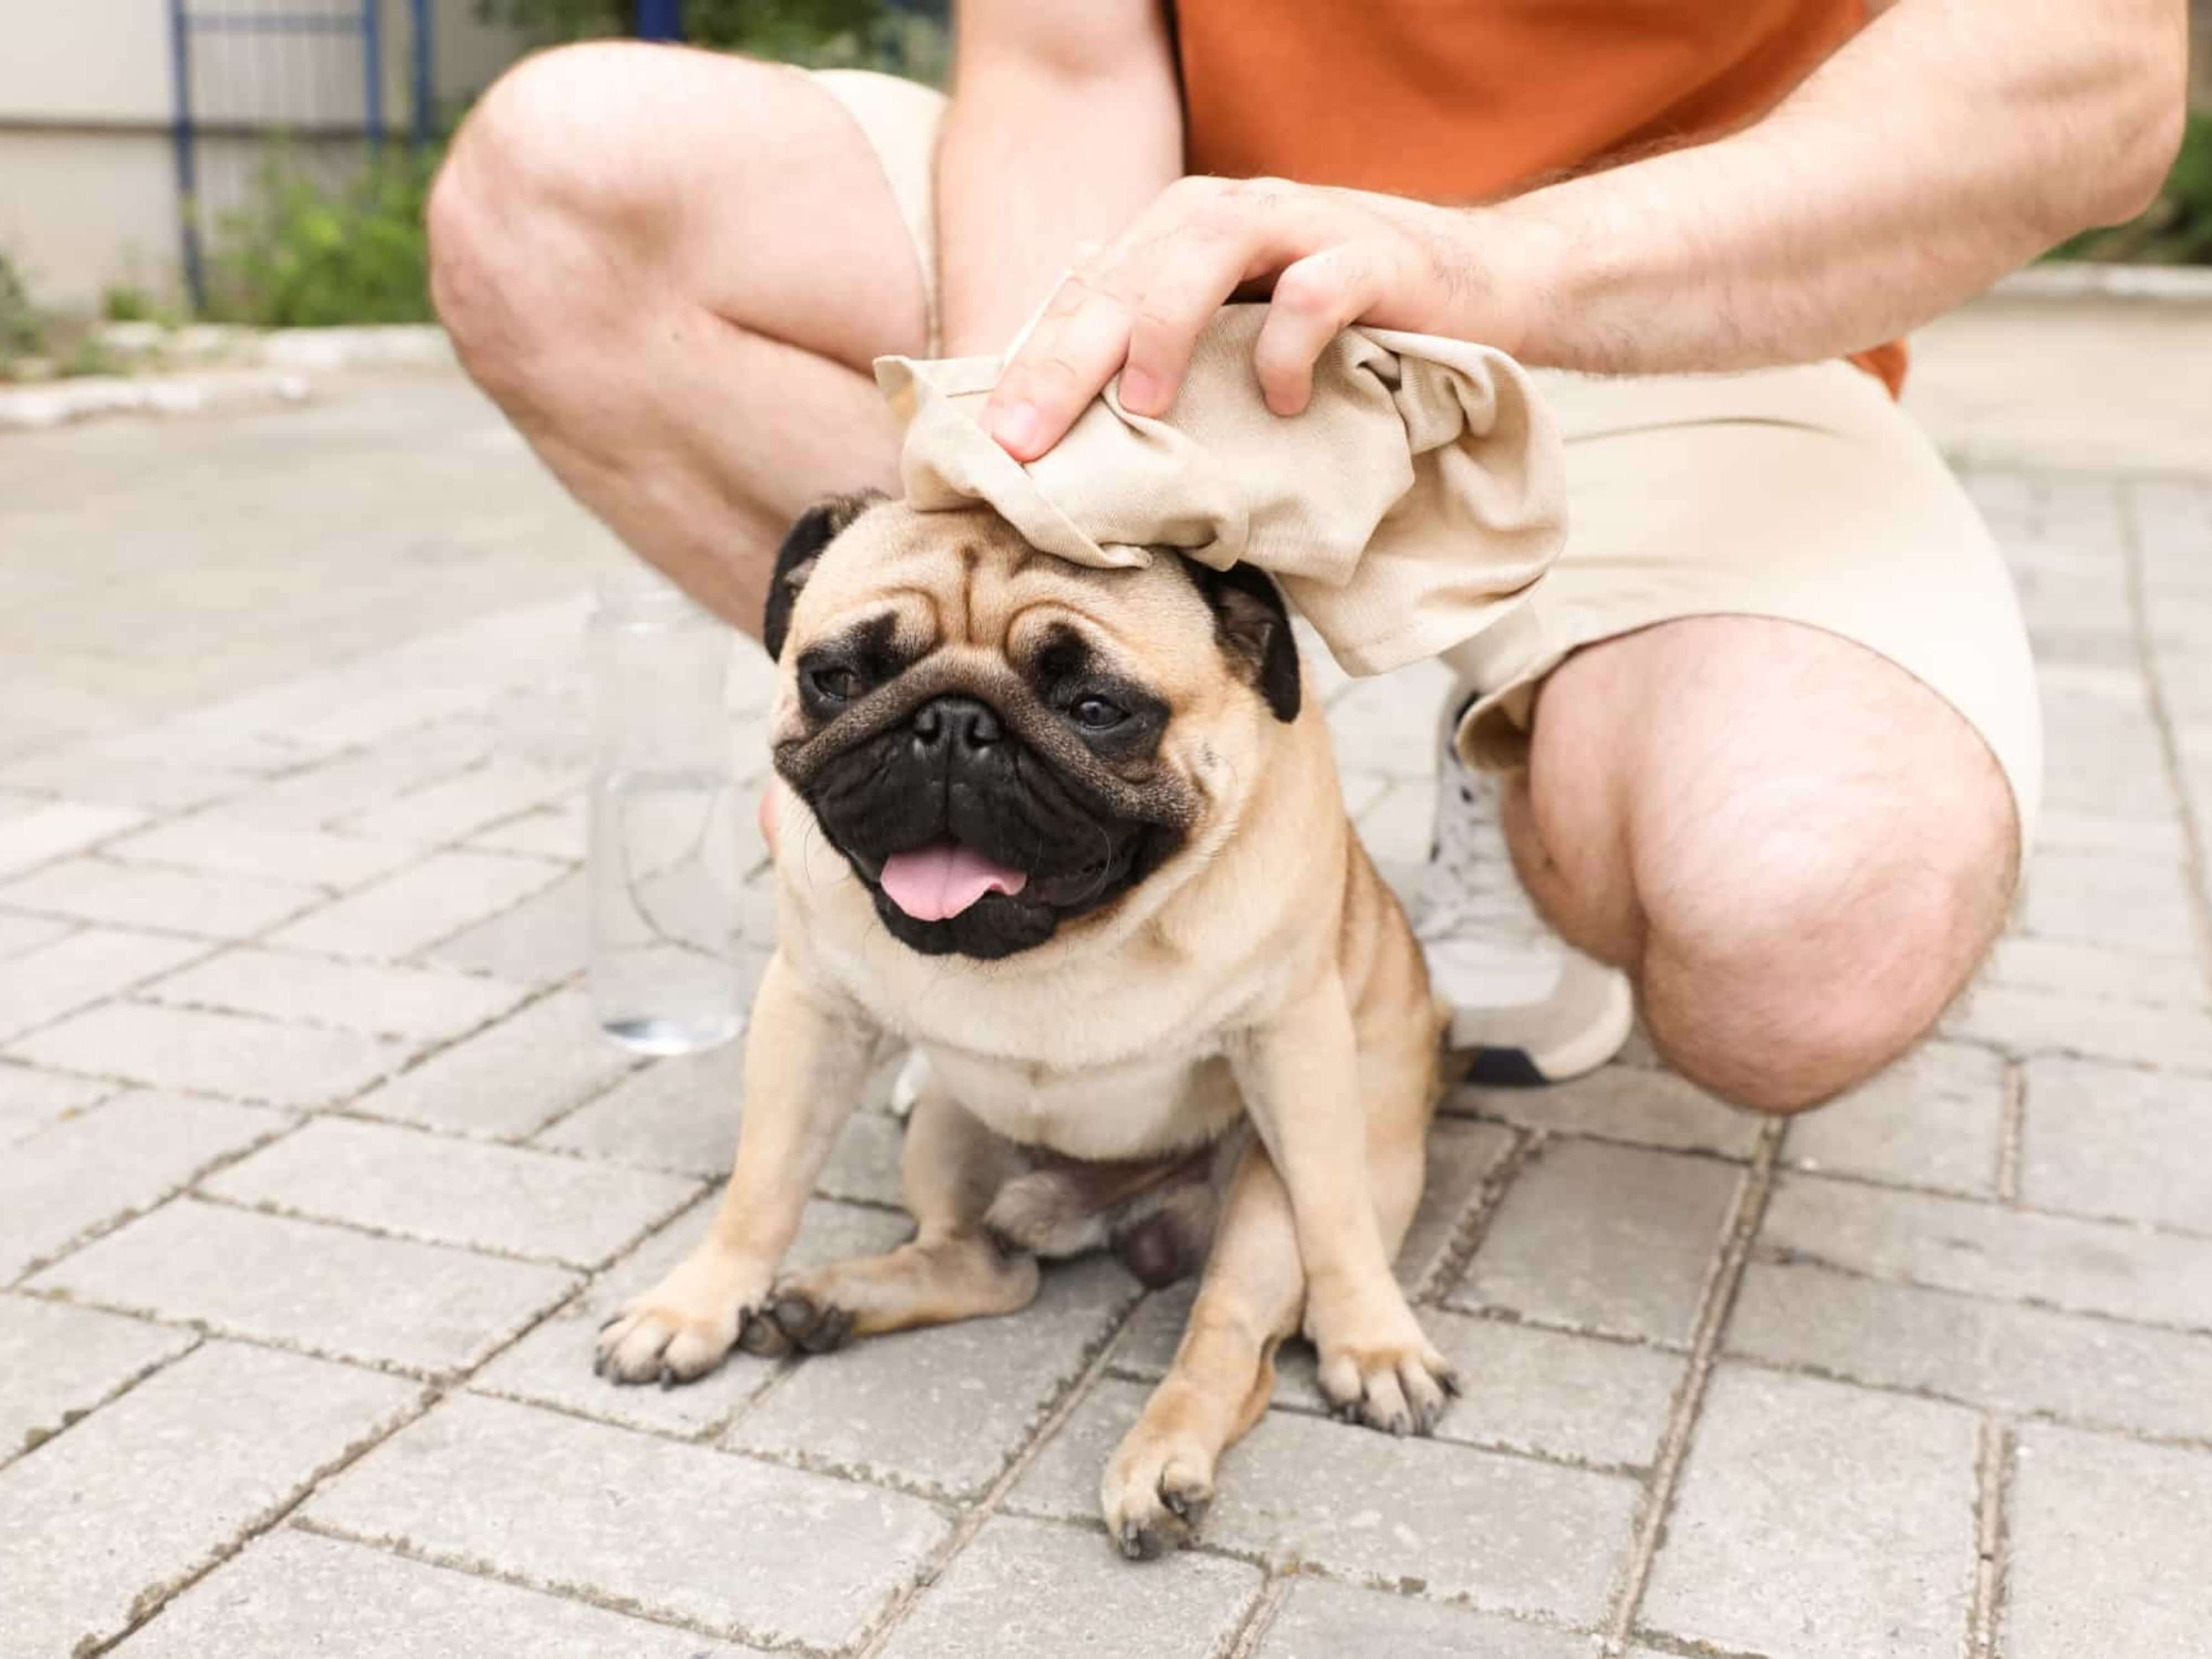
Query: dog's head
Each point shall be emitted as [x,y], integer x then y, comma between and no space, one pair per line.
[1004,744]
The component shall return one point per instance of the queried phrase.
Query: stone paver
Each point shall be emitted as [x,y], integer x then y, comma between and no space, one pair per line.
[1333,1621]
[509,1078]
[2023,1360]
[61,1361]
[2111,1551]
[294,1592]
[95,1168]
[1030,1588]
[1947,1243]
[327,1290]
[220,1054]
[1815,1520]
[1605,1238]
[940,1411]
[427,1003]
[308,835]
[152,1488]
[2114,1140]
[1506,1533]
[402,1181]
[715,1541]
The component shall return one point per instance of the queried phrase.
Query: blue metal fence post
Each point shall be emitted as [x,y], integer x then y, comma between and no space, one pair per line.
[188,209]
[660,20]
[424,83]
[372,64]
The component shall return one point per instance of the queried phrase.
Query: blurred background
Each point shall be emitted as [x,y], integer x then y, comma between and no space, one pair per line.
[265,161]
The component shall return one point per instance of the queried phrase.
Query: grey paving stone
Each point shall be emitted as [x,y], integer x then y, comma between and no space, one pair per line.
[60,1362]
[681,1532]
[1462,1156]
[20,934]
[1608,1238]
[104,1163]
[457,806]
[2112,1140]
[2141,904]
[864,1166]
[216,1054]
[941,1411]
[84,967]
[2104,832]
[50,830]
[30,1100]
[445,1191]
[2110,1549]
[1815,1520]
[679,1114]
[550,832]
[430,1005]
[1505,1534]
[1028,1588]
[552,1364]
[293,1593]
[2096,972]
[543,940]
[417,906]
[339,787]
[326,1290]
[1934,1119]
[1554,1395]
[210,842]
[1622,1102]
[145,896]
[2026,1022]
[1319,1620]
[1947,1243]
[154,1486]
[509,1079]
[2023,1361]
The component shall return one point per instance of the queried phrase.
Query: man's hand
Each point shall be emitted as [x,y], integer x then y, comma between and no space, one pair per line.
[1327,257]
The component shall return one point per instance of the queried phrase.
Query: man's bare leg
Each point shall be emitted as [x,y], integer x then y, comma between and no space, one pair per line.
[672,269]
[1798,851]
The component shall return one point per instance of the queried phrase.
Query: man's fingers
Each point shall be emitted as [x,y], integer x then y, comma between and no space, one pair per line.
[1072,352]
[1315,298]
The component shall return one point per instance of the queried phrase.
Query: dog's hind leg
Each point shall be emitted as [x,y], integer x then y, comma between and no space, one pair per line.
[954,1268]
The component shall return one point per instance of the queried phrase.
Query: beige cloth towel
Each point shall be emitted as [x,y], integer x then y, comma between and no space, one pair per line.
[1422,489]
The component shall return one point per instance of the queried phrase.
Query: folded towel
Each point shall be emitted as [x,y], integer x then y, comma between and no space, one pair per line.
[1420,490]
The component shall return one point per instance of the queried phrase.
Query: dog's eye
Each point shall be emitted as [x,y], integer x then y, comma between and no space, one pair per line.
[1097,715]
[835,685]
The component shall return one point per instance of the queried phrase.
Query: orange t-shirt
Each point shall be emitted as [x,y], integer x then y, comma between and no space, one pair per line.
[1468,101]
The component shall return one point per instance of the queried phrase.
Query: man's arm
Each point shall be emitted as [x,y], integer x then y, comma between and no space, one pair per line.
[1947,143]
[1065,124]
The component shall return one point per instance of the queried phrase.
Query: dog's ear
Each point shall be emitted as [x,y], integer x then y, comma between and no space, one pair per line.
[814,529]
[1253,626]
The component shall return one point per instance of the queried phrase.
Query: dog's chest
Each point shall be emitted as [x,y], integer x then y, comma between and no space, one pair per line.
[1134,1110]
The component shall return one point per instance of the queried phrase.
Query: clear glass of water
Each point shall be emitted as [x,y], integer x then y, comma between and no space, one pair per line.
[664,837]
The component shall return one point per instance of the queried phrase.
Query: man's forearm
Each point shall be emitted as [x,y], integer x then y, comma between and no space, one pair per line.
[1050,143]
[1949,143]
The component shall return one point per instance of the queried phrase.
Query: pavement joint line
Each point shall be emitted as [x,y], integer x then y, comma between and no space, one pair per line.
[2011,1204]
[972,1519]
[12,1455]
[1605,1137]
[1259,1617]
[1689,1648]
[2197,855]
[119,993]
[1722,1282]
[1495,1314]
[2012,1132]
[1472,1222]
[1993,1466]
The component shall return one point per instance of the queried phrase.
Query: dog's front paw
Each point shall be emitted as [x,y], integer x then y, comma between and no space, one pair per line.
[1156,1491]
[684,1326]
[1382,1371]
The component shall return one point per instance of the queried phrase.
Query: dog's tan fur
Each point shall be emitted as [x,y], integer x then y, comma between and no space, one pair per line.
[1263,976]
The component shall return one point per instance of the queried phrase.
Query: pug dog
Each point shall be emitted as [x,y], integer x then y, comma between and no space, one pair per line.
[1077,836]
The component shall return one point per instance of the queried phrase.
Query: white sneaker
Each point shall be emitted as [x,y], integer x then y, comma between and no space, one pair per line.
[1526,1007]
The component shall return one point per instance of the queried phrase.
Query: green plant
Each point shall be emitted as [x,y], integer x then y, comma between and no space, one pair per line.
[909,40]
[23,329]
[2176,229]
[305,251]
[126,302]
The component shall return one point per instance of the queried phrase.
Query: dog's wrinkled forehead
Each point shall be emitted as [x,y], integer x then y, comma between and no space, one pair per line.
[908,584]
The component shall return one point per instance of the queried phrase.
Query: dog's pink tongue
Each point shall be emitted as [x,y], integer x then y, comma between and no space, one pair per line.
[944,878]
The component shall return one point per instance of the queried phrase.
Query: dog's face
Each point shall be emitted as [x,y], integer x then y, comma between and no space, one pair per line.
[1004,744]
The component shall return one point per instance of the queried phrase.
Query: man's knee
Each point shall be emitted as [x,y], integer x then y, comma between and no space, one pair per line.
[1811,947]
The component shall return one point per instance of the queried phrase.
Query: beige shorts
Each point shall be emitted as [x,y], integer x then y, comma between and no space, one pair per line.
[1802,494]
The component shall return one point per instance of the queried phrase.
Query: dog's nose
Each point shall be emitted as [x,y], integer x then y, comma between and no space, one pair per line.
[955,723]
